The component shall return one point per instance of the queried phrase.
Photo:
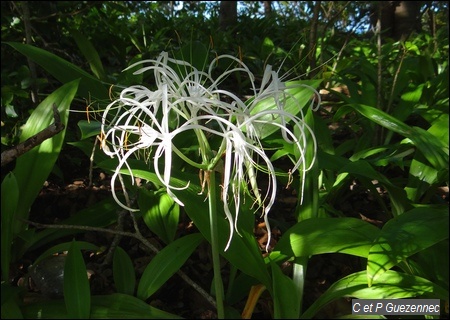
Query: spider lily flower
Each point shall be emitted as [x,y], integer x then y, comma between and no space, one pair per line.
[136,128]
[190,100]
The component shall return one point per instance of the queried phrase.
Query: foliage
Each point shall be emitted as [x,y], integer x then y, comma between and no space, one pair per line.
[393,112]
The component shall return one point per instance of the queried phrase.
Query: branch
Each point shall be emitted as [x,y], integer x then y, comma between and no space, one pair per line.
[137,236]
[52,130]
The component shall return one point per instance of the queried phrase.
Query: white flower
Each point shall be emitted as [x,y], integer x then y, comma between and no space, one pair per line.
[143,119]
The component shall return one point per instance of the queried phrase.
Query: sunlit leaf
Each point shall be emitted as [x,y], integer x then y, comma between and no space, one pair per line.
[33,167]
[326,235]
[160,213]
[432,148]
[391,285]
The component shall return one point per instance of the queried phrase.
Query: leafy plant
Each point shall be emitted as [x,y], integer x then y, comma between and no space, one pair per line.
[394,153]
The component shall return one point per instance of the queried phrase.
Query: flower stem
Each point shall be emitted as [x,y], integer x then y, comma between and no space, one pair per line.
[218,285]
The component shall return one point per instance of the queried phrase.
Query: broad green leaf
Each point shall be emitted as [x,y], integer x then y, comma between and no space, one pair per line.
[326,235]
[77,293]
[244,252]
[33,167]
[113,306]
[404,236]
[440,128]
[391,285]
[89,53]
[166,262]
[10,199]
[285,298]
[298,96]
[123,272]
[63,70]
[160,213]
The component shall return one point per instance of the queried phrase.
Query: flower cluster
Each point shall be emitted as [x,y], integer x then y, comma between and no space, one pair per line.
[186,99]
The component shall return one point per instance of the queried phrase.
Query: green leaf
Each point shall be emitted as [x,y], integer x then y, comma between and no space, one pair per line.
[89,129]
[33,167]
[77,294]
[166,262]
[89,53]
[285,298]
[326,235]
[63,70]
[123,272]
[391,285]
[435,151]
[160,213]
[299,95]
[10,198]
[112,306]
[404,236]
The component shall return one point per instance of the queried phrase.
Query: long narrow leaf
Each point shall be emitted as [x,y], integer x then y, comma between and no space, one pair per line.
[10,198]
[431,147]
[391,285]
[89,53]
[123,272]
[285,297]
[33,167]
[63,70]
[164,265]
[77,294]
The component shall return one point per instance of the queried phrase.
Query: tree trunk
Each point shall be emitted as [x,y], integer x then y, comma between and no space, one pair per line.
[406,19]
[227,15]
[267,8]
[398,18]
[313,39]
